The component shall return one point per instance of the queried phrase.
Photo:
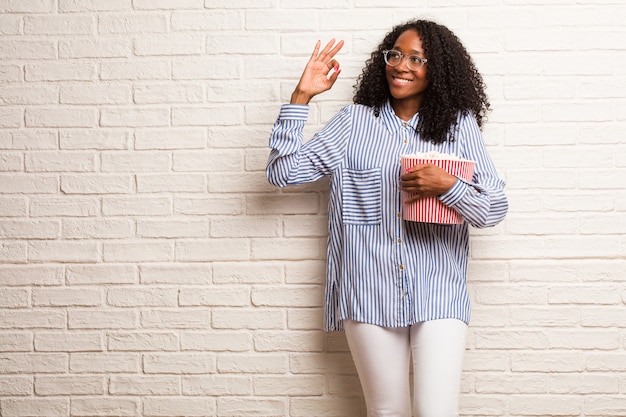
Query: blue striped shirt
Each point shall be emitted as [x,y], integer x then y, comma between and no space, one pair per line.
[381,269]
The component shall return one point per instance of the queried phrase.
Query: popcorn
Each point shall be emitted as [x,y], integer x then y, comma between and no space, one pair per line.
[430,209]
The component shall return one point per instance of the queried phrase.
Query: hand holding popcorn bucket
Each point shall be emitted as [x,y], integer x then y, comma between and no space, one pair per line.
[430,209]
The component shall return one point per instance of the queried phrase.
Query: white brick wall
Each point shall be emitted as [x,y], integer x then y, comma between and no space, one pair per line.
[148,269]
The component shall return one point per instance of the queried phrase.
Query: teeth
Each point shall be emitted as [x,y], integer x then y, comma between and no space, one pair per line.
[401,80]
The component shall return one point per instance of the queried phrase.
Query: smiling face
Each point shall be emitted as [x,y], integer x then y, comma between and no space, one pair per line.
[405,85]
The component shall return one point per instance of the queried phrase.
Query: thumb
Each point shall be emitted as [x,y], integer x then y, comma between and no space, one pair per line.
[335,74]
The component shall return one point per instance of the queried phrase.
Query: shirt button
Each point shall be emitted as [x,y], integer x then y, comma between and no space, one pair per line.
[399,240]
[401,267]
[406,141]
[398,214]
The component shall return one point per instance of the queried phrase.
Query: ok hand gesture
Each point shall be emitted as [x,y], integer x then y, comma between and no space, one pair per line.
[315,79]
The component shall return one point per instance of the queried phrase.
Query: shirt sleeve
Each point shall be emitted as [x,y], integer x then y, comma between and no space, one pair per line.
[482,202]
[293,162]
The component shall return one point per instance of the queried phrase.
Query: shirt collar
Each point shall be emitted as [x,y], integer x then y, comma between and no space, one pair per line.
[393,122]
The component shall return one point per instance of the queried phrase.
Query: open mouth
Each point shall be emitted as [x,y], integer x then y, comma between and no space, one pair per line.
[401,80]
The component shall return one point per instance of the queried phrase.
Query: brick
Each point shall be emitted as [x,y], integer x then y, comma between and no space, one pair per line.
[119,407]
[95,94]
[58,25]
[13,252]
[210,67]
[95,48]
[125,24]
[69,385]
[214,20]
[144,341]
[97,229]
[144,385]
[63,207]
[173,228]
[162,139]
[268,363]
[63,251]
[217,385]
[105,363]
[180,363]
[60,71]
[29,229]
[29,95]
[172,44]
[289,385]
[221,296]
[248,319]
[67,297]
[247,273]
[212,250]
[14,298]
[211,205]
[15,50]
[216,341]
[241,227]
[35,407]
[97,184]
[134,161]
[337,406]
[229,406]
[41,363]
[192,407]
[24,275]
[176,274]
[61,117]
[213,161]
[60,162]
[136,206]
[206,116]
[291,249]
[15,385]
[294,341]
[176,319]
[68,342]
[167,4]
[549,405]
[175,183]
[68,6]
[32,319]
[294,296]
[100,274]
[142,297]
[102,319]
[169,93]
[134,117]
[138,252]
[15,342]
[141,69]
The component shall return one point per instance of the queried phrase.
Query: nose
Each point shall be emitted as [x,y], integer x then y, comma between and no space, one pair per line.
[403,64]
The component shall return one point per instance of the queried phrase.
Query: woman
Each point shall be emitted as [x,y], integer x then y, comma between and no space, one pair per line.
[397,288]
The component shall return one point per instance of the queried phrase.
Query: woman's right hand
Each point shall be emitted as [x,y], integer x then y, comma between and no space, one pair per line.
[315,79]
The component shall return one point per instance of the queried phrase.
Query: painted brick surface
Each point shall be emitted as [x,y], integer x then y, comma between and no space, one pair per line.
[148,269]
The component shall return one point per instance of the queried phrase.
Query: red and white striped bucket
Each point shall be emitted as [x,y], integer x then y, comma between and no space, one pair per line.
[430,209]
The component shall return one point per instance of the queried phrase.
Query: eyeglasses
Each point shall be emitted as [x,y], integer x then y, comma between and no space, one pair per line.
[394,58]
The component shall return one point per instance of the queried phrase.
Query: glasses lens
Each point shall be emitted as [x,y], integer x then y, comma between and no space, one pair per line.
[393,57]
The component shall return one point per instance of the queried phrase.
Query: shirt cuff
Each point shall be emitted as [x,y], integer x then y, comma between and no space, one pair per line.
[294,112]
[454,194]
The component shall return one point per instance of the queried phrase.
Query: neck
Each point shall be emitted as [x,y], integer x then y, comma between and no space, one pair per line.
[405,109]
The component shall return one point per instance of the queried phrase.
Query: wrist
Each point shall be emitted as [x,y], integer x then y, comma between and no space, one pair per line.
[298,97]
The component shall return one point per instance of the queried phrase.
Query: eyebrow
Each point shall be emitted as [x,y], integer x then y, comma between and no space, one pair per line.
[412,52]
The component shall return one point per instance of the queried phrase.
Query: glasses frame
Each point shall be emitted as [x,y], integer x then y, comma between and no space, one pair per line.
[421,60]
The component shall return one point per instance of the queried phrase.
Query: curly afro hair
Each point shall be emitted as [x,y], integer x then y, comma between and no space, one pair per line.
[454,83]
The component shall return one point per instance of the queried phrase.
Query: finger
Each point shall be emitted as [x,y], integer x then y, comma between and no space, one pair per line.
[330,51]
[316,50]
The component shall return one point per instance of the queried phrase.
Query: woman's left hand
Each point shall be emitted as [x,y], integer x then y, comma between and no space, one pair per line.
[425,181]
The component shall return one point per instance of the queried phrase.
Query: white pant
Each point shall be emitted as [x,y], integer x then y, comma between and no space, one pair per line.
[382,356]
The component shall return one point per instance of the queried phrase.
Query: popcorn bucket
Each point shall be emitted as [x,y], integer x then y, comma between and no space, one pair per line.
[430,209]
